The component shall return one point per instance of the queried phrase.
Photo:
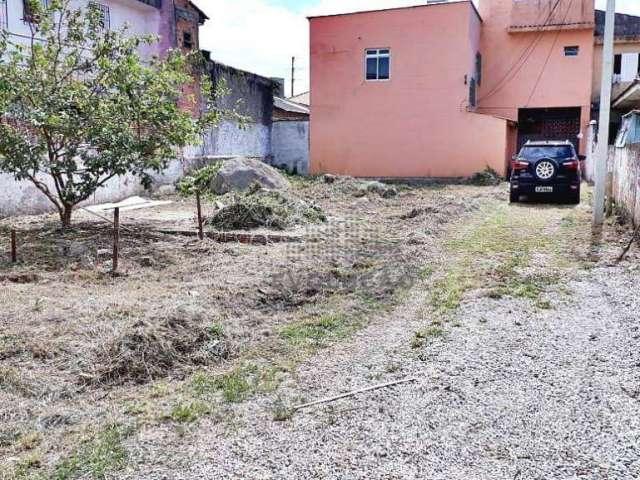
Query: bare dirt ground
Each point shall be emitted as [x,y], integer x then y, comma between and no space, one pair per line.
[520,334]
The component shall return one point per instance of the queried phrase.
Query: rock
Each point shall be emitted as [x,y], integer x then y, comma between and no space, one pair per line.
[238,174]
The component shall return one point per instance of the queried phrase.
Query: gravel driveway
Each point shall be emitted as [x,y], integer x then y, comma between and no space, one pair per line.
[510,392]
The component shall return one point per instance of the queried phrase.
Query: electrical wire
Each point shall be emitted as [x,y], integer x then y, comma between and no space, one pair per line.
[524,57]
[546,62]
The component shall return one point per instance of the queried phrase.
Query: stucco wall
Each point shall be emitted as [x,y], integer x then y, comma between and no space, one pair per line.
[24,198]
[529,69]
[415,124]
[228,140]
[290,146]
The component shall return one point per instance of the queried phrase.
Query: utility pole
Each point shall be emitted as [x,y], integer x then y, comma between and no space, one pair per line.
[602,150]
[293,75]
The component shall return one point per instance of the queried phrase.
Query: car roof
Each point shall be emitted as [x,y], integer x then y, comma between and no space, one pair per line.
[548,143]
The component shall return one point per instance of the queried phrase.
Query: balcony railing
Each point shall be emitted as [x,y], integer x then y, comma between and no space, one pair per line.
[4,16]
[153,3]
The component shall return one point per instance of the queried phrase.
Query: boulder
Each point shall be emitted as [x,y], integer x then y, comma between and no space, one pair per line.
[238,174]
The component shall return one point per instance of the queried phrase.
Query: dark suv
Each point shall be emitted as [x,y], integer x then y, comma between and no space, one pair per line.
[548,170]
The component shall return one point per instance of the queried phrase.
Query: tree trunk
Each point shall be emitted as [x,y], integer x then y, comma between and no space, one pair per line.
[65,215]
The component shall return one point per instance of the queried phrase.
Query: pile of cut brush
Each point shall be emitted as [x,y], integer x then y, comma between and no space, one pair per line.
[152,348]
[264,208]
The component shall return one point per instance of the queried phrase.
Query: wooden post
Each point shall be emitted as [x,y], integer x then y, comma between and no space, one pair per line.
[200,230]
[116,238]
[14,246]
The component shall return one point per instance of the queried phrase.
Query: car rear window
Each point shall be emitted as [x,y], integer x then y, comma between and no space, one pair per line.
[556,152]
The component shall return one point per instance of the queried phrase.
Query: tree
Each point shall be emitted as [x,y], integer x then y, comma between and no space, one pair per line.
[79,106]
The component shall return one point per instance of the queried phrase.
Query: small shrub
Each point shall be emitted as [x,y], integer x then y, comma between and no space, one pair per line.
[199,180]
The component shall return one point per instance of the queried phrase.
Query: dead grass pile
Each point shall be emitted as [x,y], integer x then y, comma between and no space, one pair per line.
[258,208]
[151,349]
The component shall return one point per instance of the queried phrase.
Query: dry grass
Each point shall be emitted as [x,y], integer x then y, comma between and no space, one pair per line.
[151,349]
[189,328]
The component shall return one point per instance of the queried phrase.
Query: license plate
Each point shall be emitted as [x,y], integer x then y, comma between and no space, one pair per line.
[544,189]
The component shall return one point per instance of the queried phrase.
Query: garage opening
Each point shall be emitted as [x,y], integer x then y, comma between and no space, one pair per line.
[549,124]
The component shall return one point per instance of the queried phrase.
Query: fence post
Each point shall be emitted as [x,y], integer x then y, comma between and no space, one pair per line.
[14,246]
[116,239]
[200,230]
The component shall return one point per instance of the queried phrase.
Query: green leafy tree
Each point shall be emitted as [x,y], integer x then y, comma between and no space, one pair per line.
[79,106]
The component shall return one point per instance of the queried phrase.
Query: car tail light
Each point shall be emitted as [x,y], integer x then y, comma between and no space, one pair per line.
[572,165]
[520,165]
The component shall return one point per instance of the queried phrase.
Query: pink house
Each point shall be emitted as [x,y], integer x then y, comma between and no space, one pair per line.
[445,89]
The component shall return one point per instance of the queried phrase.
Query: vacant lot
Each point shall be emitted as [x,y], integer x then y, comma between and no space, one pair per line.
[91,365]
[521,338]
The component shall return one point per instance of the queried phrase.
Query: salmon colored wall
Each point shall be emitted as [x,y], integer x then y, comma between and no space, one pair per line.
[549,14]
[510,83]
[414,125]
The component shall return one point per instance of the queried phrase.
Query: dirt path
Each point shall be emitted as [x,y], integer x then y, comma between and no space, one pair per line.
[526,354]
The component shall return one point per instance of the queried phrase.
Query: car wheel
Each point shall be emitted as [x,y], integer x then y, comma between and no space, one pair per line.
[514,197]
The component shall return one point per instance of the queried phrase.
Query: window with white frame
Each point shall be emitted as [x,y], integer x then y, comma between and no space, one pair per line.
[378,64]
[103,13]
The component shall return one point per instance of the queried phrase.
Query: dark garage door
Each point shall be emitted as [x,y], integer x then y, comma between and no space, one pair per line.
[548,124]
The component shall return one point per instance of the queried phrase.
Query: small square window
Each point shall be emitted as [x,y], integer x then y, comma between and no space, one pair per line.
[378,64]
[571,51]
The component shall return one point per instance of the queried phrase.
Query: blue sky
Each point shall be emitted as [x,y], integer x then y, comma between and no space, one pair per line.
[261,36]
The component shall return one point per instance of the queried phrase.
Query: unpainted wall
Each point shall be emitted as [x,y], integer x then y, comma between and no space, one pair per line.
[290,144]
[626,179]
[251,96]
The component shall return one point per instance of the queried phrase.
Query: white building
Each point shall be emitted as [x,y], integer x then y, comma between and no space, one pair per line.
[142,16]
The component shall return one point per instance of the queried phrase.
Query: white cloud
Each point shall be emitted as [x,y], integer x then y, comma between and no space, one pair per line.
[631,7]
[257,36]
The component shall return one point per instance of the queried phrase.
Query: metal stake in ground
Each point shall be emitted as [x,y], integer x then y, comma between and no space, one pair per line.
[116,238]
[14,246]
[200,230]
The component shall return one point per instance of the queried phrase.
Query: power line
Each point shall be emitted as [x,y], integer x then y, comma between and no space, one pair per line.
[546,62]
[526,54]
